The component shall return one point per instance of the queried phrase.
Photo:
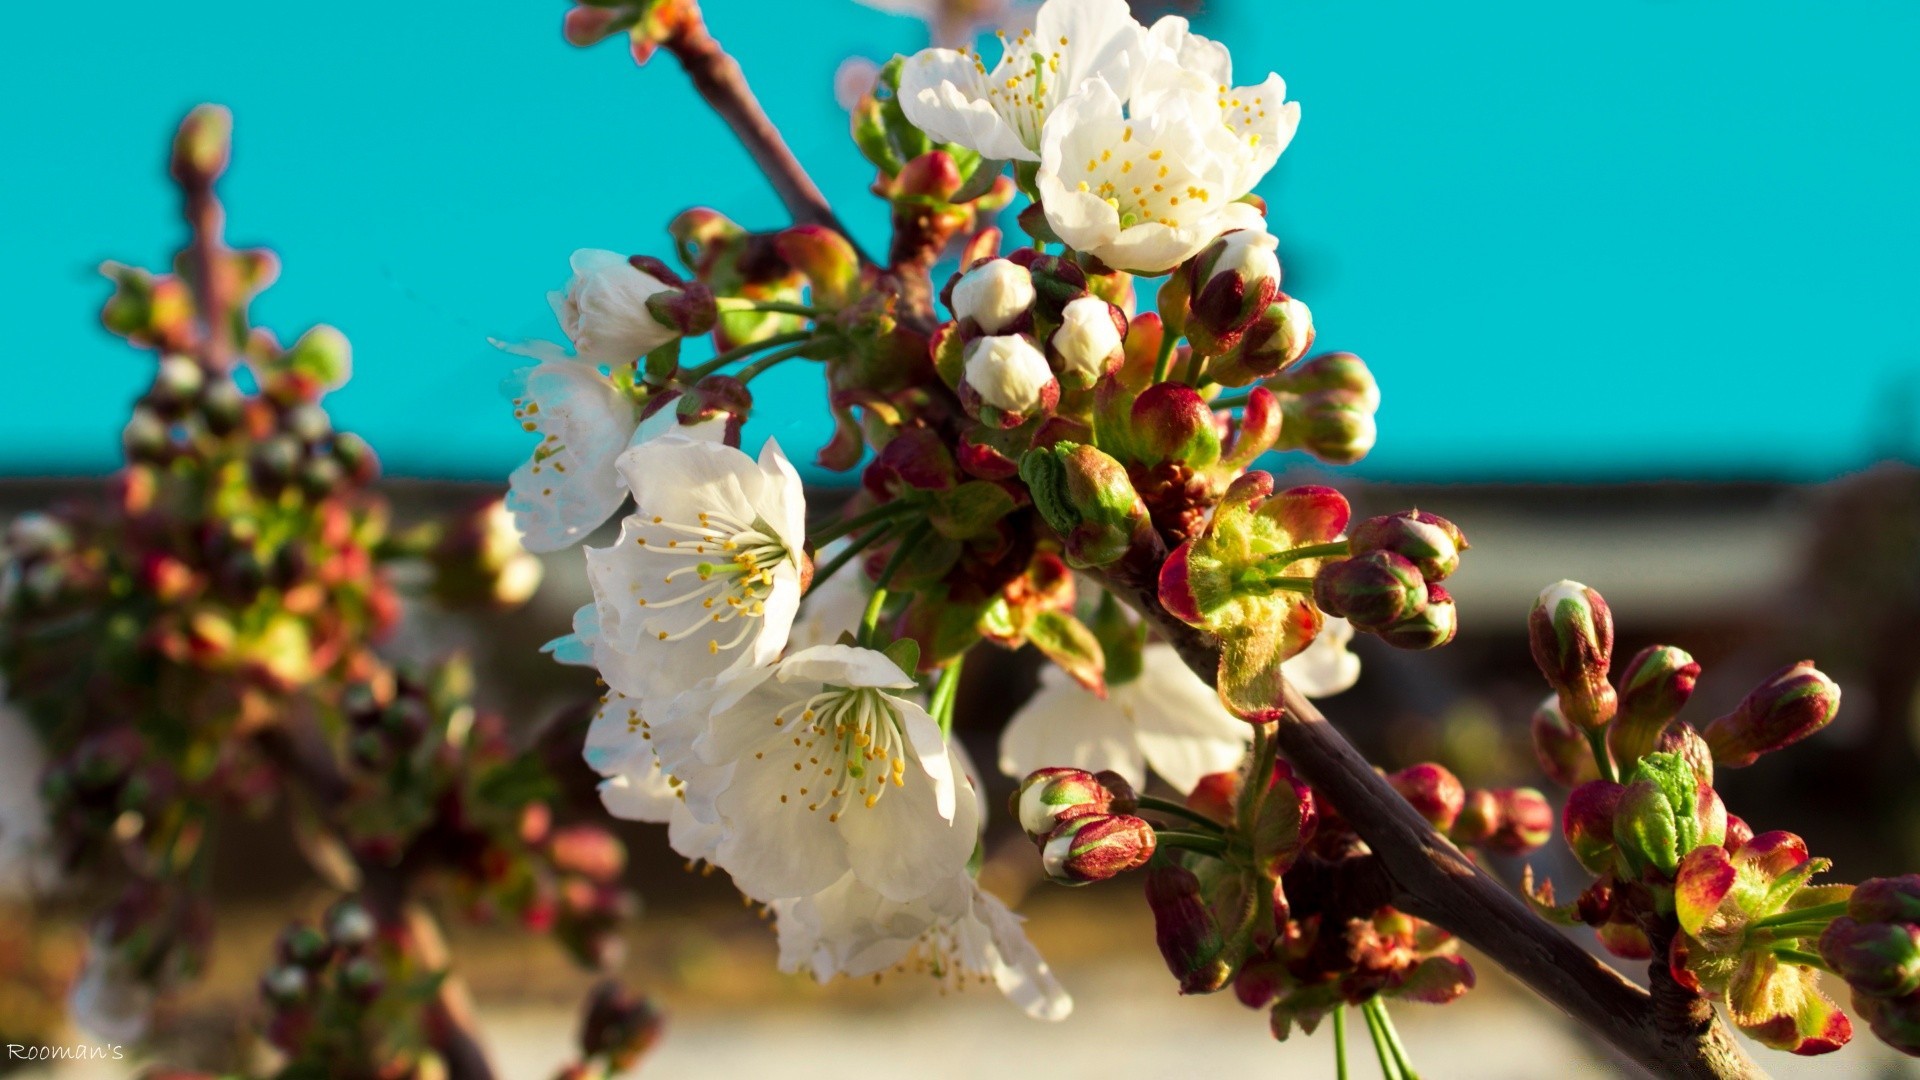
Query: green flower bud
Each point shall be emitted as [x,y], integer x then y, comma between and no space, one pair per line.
[1088,499]
[1052,795]
[1656,683]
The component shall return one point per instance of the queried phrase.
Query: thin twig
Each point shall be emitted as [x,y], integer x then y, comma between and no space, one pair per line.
[720,82]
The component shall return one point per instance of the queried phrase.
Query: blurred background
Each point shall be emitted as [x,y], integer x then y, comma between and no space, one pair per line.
[1636,280]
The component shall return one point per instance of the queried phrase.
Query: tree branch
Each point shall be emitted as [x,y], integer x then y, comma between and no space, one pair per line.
[1433,880]
[721,83]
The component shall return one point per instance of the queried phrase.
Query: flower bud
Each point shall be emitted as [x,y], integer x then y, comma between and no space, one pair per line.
[1895,1021]
[588,850]
[993,294]
[1587,821]
[1433,627]
[619,1026]
[1052,795]
[1665,812]
[1433,791]
[1089,341]
[1681,739]
[1279,335]
[1793,703]
[1656,683]
[1170,422]
[1571,632]
[1526,821]
[1235,278]
[1095,847]
[1878,959]
[1336,426]
[203,145]
[349,925]
[604,308]
[323,354]
[286,985]
[1432,542]
[1478,819]
[1184,929]
[362,979]
[1371,591]
[1895,899]
[1562,749]
[1088,499]
[1009,375]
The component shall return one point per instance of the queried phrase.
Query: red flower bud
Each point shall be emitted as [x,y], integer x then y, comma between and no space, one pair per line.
[1587,821]
[588,850]
[1433,791]
[1050,796]
[1571,633]
[1432,542]
[1478,819]
[1878,959]
[1433,627]
[1526,821]
[1895,1021]
[1562,749]
[1887,899]
[1793,703]
[1371,591]
[1095,847]
[1656,683]
[1184,929]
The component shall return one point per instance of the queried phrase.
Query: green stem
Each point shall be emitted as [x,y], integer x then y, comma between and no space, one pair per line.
[838,529]
[741,352]
[1340,1042]
[747,374]
[853,548]
[1597,739]
[1379,1037]
[741,303]
[1195,364]
[1804,959]
[944,691]
[1174,809]
[870,621]
[1820,913]
[1311,551]
[1394,1045]
[1205,843]
[1168,340]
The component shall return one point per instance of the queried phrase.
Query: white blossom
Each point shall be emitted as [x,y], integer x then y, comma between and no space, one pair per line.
[705,575]
[1008,372]
[960,934]
[1166,719]
[584,418]
[603,309]
[108,1001]
[1087,338]
[994,294]
[1325,667]
[953,96]
[1145,185]
[833,771]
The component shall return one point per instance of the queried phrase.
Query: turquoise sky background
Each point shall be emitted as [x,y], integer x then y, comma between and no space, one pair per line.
[1575,241]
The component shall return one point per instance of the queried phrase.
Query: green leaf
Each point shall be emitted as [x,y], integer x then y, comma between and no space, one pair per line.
[1067,642]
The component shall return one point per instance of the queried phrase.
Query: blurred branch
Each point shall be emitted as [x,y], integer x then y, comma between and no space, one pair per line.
[1670,1033]
[387,890]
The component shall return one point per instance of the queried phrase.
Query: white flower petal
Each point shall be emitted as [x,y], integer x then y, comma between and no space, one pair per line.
[569,486]
[1325,667]
[1063,724]
[1184,731]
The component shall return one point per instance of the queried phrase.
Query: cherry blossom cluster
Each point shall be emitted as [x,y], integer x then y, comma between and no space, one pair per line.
[200,641]
[1054,449]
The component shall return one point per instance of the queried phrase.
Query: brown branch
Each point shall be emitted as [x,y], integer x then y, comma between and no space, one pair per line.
[1433,880]
[721,83]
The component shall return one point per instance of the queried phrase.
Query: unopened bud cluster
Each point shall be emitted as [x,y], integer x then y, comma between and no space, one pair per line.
[1082,825]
